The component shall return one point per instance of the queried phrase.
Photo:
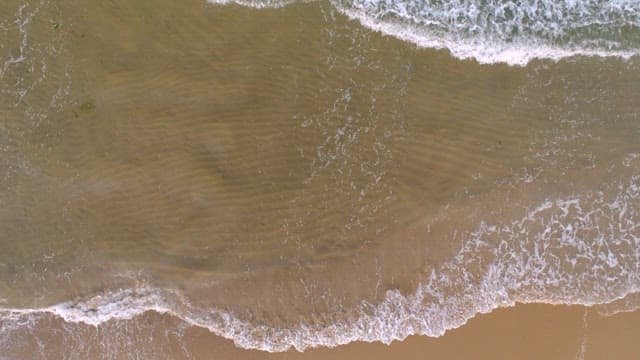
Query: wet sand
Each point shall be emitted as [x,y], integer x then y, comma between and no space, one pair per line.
[524,332]
[532,331]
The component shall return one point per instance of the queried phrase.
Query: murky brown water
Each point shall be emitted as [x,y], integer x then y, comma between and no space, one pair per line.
[287,177]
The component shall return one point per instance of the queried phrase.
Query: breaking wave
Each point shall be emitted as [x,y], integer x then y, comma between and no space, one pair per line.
[575,250]
[499,31]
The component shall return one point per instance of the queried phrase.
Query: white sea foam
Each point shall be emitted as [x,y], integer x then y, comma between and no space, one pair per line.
[500,31]
[629,303]
[483,50]
[257,4]
[575,250]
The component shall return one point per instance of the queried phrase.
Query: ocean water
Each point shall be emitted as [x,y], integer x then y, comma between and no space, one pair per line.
[310,174]
[513,32]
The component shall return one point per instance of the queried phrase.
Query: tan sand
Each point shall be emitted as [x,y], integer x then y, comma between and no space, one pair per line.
[530,331]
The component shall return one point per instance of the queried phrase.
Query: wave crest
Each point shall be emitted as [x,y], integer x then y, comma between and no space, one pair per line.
[564,251]
[499,31]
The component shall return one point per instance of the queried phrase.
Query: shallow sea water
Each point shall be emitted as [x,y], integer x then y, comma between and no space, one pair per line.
[289,177]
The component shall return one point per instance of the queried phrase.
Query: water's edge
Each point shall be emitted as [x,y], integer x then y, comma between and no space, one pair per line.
[468,30]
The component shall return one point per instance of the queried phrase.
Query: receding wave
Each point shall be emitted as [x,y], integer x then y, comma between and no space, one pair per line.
[500,31]
[574,250]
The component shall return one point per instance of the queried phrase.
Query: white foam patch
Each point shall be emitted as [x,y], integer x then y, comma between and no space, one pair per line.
[256,4]
[499,31]
[122,305]
[484,51]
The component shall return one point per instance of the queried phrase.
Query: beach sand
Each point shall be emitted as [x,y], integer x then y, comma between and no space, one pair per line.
[531,331]
[523,332]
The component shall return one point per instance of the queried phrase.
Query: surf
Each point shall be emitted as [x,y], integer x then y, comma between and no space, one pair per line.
[499,31]
[534,259]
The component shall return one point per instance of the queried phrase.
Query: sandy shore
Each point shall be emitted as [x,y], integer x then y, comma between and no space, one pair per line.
[533,331]
[523,332]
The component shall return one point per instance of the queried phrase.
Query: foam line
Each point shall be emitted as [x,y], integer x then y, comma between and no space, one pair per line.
[499,31]
[534,259]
